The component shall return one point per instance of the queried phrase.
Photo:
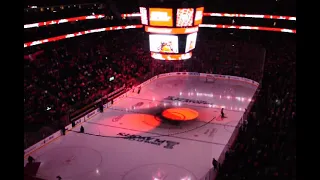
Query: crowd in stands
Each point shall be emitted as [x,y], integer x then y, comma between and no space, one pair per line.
[266,145]
[283,7]
[32,34]
[49,31]
[274,23]
[53,12]
[69,74]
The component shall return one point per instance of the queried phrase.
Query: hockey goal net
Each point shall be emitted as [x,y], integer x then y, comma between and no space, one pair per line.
[210,79]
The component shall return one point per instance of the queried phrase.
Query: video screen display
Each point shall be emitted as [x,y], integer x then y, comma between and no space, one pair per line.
[158,30]
[198,16]
[191,42]
[184,17]
[144,16]
[160,17]
[163,43]
[171,57]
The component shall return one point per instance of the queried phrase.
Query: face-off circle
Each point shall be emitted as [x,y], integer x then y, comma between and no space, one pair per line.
[160,172]
[62,161]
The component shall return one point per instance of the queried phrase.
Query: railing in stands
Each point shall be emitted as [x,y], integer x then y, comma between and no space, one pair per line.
[99,16]
[260,16]
[57,38]
[60,21]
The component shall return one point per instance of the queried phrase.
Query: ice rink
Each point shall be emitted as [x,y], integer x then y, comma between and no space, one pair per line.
[131,141]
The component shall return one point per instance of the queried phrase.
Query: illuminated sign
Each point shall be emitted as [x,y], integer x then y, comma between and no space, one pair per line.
[198,16]
[160,17]
[184,17]
[191,42]
[163,43]
[171,30]
[144,17]
[171,57]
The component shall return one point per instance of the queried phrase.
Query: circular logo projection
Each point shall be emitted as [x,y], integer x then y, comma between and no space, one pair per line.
[180,114]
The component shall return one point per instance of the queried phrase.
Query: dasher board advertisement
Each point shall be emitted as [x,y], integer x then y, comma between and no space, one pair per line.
[163,43]
[191,42]
[184,17]
[160,17]
[198,16]
[144,16]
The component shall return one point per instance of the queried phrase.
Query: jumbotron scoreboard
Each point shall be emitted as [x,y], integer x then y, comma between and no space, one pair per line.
[172,32]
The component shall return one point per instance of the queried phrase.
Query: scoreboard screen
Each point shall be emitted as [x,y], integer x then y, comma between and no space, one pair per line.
[163,43]
[191,42]
[144,15]
[172,32]
[184,17]
[160,17]
[198,16]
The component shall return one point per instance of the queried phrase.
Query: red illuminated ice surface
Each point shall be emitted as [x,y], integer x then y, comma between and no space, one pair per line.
[131,140]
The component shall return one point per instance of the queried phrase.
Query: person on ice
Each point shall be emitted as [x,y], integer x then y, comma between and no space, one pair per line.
[222,113]
[215,164]
[81,129]
[30,160]
[139,89]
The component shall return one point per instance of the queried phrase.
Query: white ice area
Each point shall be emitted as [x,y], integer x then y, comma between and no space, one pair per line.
[102,155]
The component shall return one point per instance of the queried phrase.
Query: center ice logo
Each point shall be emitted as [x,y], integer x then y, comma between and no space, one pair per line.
[151,140]
[172,98]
